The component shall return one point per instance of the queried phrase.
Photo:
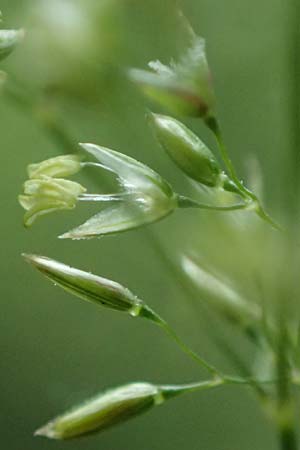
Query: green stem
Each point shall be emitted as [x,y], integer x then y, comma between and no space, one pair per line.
[186,202]
[267,218]
[170,391]
[149,314]
[187,288]
[171,333]
[213,124]
[285,404]
[216,374]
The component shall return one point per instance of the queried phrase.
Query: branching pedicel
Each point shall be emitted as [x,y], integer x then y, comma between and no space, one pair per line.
[145,197]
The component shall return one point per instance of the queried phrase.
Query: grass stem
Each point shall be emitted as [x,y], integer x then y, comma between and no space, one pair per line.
[245,193]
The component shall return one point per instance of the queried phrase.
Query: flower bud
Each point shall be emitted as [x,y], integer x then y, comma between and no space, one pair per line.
[8,41]
[45,194]
[183,88]
[116,406]
[188,152]
[146,197]
[58,167]
[92,288]
[104,411]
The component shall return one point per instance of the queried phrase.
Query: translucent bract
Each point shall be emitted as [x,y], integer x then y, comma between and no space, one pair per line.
[147,197]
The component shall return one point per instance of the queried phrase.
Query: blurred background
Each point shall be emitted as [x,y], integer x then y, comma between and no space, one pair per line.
[69,71]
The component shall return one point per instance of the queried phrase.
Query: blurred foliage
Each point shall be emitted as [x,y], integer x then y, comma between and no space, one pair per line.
[71,72]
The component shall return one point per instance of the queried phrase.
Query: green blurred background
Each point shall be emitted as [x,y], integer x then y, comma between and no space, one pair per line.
[55,350]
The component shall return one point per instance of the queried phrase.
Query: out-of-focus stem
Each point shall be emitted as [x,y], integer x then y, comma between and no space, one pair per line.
[285,404]
[292,86]
[48,119]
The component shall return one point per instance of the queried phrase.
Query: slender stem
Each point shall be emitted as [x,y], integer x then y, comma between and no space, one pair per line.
[186,202]
[187,289]
[267,218]
[209,367]
[217,375]
[170,391]
[285,404]
[212,123]
[148,313]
